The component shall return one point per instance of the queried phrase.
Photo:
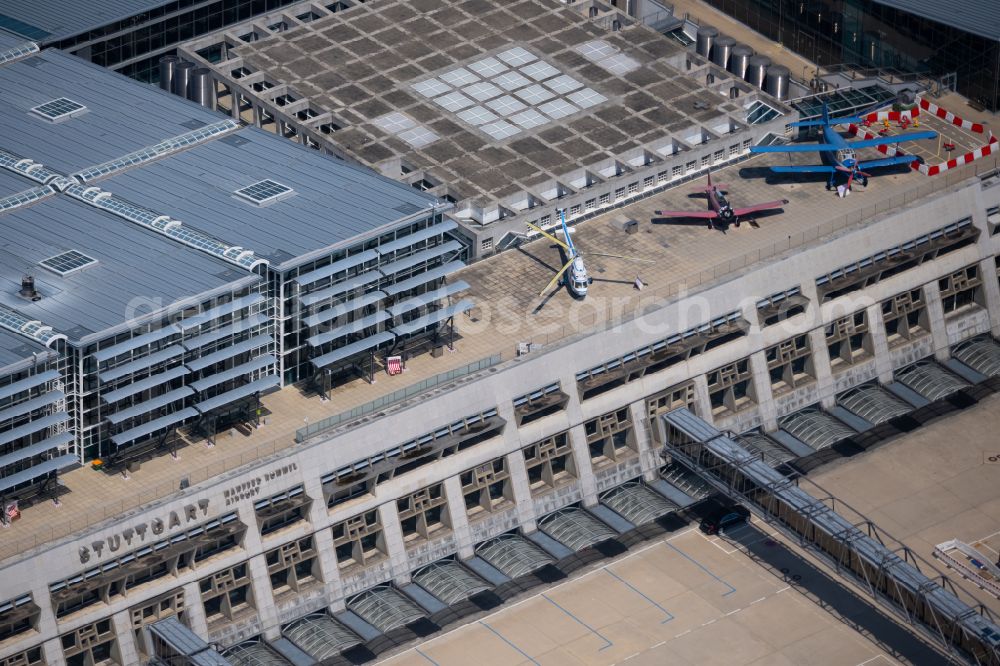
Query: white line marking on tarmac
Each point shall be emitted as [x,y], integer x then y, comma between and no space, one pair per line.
[733,611]
[757,601]
[683,633]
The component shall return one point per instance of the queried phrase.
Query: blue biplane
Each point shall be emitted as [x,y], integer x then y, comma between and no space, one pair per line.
[838,154]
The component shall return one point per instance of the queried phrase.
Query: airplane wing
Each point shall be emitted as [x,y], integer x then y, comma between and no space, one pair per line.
[770,205]
[886,140]
[795,148]
[549,236]
[803,169]
[701,214]
[888,161]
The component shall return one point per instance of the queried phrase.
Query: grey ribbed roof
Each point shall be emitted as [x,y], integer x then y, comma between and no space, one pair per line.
[15,349]
[122,115]
[59,19]
[9,40]
[333,202]
[136,270]
[11,183]
[979,17]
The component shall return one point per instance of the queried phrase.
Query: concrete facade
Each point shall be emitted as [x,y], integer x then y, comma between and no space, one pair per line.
[417,516]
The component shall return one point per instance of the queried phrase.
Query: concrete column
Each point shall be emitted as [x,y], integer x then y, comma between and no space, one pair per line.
[522,491]
[53,653]
[938,324]
[457,517]
[649,452]
[46,616]
[392,533]
[762,389]
[584,468]
[194,610]
[702,401]
[121,623]
[574,410]
[326,555]
[991,290]
[263,596]
[821,367]
[326,558]
[880,343]
[235,111]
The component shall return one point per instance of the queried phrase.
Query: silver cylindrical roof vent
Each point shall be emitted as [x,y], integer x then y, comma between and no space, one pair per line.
[739,57]
[201,87]
[704,40]
[168,64]
[182,78]
[777,81]
[757,69]
[721,49]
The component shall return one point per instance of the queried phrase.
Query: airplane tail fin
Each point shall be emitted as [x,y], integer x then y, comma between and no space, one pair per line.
[710,186]
[826,114]
[566,232]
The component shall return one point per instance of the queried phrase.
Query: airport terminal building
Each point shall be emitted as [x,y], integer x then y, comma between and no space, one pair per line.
[169,275]
[164,267]
[362,537]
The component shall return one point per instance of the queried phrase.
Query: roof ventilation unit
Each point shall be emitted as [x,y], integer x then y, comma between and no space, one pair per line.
[28,291]
[182,77]
[705,39]
[168,65]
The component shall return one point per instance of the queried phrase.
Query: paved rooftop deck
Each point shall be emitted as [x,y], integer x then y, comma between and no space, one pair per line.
[687,258]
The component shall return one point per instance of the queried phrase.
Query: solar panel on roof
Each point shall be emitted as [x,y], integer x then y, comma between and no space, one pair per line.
[59,109]
[68,262]
[264,192]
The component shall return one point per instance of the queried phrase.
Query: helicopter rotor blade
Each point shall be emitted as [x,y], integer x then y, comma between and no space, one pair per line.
[622,256]
[556,278]
[549,236]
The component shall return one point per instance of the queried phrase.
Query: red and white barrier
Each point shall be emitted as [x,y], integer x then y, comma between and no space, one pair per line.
[951,117]
[931,170]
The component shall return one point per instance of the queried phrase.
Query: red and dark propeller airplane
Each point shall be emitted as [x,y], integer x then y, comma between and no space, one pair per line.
[719,207]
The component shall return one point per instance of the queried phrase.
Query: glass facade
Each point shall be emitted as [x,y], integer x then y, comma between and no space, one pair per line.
[868,34]
[133,46]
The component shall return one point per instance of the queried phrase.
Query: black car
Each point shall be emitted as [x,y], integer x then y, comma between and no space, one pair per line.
[723,518]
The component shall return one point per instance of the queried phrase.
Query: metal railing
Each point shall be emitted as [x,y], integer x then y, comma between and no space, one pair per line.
[395,397]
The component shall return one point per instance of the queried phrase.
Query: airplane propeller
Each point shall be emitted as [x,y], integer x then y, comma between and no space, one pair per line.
[852,171]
